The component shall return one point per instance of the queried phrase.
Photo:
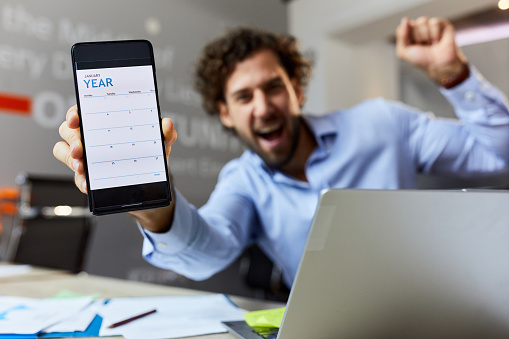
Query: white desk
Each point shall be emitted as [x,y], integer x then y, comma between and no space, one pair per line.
[35,273]
[42,283]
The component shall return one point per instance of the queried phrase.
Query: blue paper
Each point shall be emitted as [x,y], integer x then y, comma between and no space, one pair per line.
[91,331]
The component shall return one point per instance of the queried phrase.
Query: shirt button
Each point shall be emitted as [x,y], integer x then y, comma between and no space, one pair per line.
[469,96]
[161,244]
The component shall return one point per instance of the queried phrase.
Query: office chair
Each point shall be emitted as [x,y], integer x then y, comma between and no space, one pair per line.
[53,224]
[261,274]
[8,199]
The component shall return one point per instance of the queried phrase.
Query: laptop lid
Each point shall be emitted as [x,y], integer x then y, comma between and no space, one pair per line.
[403,264]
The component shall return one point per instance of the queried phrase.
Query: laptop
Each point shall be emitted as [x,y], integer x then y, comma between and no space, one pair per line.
[401,264]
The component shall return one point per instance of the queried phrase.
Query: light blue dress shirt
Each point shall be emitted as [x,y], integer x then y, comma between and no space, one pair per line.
[377,144]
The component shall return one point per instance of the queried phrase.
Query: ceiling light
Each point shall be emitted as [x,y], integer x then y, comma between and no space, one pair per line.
[480,34]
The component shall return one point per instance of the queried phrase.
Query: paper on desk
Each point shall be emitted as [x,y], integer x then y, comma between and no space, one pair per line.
[11,270]
[265,318]
[176,316]
[79,321]
[20,315]
[91,331]
[116,311]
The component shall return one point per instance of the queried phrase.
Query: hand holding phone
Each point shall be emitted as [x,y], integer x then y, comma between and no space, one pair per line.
[123,150]
[70,150]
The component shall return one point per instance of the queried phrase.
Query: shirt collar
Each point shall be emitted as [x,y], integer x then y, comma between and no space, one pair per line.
[321,126]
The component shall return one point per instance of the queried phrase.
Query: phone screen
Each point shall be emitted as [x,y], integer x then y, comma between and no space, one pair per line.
[120,126]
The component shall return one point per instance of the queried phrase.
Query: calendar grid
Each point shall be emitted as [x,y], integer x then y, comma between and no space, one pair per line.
[121,129]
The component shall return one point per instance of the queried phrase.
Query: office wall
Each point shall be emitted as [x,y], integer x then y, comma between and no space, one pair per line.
[35,41]
[35,72]
[351,44]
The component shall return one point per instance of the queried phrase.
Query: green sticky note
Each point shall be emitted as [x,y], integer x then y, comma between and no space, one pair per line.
[63,294]
[265,318]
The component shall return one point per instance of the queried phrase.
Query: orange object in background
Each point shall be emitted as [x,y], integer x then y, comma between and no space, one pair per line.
[15,103]
[8,202]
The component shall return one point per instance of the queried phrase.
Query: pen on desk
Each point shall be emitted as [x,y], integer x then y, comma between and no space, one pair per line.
[128,320]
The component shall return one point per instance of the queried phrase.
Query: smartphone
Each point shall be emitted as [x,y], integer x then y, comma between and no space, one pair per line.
[120,121]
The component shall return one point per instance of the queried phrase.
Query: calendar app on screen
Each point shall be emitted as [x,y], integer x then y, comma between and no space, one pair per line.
[120,126]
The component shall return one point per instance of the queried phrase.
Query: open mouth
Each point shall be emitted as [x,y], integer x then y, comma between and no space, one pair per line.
[271,133]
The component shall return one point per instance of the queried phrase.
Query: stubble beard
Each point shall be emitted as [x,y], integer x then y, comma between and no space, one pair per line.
[280,161]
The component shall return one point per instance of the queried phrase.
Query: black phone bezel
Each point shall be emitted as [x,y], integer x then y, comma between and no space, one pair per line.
[120,53]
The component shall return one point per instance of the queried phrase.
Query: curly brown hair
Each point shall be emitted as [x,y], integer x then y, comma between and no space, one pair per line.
[219,58]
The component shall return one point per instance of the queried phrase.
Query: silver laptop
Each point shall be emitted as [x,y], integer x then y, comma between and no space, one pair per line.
[403,264]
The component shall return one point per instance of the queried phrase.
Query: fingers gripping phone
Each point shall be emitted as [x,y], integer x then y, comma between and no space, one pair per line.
[120,120]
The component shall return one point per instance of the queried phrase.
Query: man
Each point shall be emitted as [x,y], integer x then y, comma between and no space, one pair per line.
[255,82]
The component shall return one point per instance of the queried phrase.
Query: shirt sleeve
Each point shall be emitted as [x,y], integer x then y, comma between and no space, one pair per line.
[476,143]
[485,111]
[202,242]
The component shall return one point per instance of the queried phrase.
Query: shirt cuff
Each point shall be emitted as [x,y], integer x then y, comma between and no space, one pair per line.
[179,235]
[472,93]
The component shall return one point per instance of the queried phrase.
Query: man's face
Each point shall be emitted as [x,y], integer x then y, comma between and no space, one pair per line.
[263,107]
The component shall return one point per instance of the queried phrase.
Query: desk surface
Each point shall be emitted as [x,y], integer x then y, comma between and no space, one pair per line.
[35,273]
[42,283]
